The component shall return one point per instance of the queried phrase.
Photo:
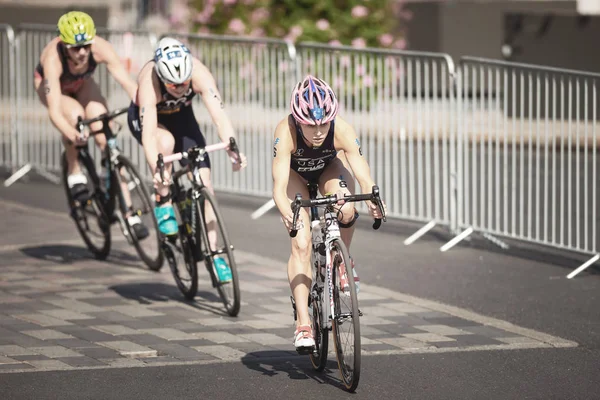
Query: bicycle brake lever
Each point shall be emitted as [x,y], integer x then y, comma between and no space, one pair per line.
[234,147]
[296,210]
[161,167]
[377,198]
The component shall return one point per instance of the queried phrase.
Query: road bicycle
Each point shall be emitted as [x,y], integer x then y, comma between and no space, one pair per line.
[333,301]
[119,196]
[192,244]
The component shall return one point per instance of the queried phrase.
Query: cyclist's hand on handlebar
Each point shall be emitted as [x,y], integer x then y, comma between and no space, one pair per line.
[237,163]
[79,139]
[288,220]
[165,180]
[340,194]
[375,211]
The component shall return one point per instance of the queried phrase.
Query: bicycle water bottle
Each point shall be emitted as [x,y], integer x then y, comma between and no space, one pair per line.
[319,247]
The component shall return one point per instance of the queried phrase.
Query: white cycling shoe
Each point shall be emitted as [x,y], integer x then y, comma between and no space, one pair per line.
[303,339]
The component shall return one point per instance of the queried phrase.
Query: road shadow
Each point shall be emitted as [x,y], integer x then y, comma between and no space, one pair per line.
[274,362]
[68,254]
[155,292]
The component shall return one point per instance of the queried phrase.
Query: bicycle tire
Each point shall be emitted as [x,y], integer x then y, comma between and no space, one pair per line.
[319,357]
[170,249]
[350,372]
[101,251]
[231,305]
[152,262]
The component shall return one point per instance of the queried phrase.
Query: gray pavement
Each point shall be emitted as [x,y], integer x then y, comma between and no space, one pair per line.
[462,324]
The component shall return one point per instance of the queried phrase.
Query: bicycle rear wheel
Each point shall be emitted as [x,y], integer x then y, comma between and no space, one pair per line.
[229,291]
[88,213]
[346,320]
[149,249]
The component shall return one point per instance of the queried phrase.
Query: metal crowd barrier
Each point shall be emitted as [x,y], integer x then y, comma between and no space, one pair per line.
[527,155]
[507,150]
[8,129]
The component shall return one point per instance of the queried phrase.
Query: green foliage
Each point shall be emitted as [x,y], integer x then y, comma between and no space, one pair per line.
[371,23]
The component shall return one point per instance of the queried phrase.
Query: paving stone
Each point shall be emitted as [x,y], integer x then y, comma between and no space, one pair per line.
[43,320]
[89,334]
[266,338]
[99,352]
[452,321]
[180,352]
[55,351]
[130,349]
[81,361]
[220,337]
[136,311]
[170,334]
[7,360]
[45,334]
[50,364]
[474,340]
[20,366]
[14,350]
[116,329]
[442,330]
[66,315]
[122,362]
[221,352]
[73,343]
[31,357]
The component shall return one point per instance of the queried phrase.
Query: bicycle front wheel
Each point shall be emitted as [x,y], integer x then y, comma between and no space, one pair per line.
[149,248]
[346,320]
[178,250]
[215,232]
[319,357]
[88,213]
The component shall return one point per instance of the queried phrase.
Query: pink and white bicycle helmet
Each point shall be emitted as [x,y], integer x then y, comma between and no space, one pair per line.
[313,102]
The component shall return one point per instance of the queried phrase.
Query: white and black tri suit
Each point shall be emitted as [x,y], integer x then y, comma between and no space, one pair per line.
[177,116]
[310,162]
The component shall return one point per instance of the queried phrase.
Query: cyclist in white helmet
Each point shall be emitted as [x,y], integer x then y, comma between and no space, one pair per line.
[162,120]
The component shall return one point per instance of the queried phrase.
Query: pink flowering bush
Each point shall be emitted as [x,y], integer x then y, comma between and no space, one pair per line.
[358,23]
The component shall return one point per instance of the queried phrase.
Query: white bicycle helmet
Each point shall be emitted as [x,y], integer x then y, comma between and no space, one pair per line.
[173,61]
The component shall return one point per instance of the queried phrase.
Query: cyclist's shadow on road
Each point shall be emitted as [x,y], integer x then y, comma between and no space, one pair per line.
[272,363]
[67,254]
[156,292]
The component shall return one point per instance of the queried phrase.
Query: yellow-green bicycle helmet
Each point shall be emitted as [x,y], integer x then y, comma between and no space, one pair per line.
[76,28]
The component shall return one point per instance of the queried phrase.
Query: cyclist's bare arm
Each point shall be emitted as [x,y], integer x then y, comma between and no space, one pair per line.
[148,94]
[204,83]
[105,53]
[283,146]
[347,140]
[51,87]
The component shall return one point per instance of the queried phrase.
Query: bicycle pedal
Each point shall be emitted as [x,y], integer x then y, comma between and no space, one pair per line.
[305,351]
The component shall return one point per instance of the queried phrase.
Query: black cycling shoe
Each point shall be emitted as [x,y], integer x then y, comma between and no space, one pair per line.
[80,192]
[139,229]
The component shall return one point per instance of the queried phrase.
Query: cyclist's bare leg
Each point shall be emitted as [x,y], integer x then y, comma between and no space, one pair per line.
[299,268]
[95,104]
[71,109]
[209,214]
[337,177]
[165,143]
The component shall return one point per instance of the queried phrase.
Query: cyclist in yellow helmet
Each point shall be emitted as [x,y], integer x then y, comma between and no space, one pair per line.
[65,85]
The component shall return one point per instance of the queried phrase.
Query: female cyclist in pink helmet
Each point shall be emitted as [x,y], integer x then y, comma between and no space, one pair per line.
[314,145]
